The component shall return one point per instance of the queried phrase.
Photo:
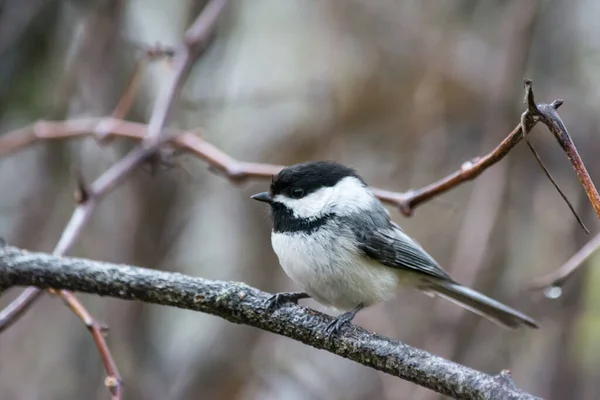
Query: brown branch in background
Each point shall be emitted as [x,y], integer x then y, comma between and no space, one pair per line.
[238,171]
[131,90]
[194,43]
[556,279]
[547,114]
[555,184]
[532,109]
[153,52]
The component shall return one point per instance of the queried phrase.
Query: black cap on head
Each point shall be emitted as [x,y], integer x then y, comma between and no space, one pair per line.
[310,177]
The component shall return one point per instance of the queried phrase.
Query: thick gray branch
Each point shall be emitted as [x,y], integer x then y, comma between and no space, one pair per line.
[242,304]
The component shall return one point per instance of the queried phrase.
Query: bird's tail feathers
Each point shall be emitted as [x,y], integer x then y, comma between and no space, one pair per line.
[480,304]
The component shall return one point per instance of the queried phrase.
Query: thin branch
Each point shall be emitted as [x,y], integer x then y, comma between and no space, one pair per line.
[238,171]
[557,278]
[131,90]
[533,110]
[242,304]
[194,42]
[555,184]
[547,114]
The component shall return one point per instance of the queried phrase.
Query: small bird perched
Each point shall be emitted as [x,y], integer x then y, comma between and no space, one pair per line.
[335,239]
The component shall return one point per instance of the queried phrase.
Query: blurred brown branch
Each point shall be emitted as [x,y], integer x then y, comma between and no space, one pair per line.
[129,95]
[532,109]
[194,42]
[558,278]
[242,304]
[547,114]
[238,171]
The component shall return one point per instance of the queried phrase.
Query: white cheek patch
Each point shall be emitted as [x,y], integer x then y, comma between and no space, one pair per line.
[350,196]
[347,197]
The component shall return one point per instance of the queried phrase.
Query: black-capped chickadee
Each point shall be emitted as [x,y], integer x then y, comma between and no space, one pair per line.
[335,239]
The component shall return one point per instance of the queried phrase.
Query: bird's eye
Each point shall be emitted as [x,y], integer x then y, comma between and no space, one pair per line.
[297,193]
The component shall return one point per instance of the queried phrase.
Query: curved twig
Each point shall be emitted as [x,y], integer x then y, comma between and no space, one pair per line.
[548,115]
[557,278]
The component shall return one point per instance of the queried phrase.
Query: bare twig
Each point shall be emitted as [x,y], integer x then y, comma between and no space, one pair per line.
[547,114]
[555,184]
[194,42]
[532,109]
[242,304]
[155,51]
[131,90]
[558,278]
[238,171]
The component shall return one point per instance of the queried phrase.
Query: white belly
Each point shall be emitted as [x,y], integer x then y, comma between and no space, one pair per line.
[342,282]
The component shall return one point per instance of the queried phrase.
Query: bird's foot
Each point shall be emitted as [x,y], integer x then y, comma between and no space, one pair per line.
[337,324]
[340,321]
[279,299]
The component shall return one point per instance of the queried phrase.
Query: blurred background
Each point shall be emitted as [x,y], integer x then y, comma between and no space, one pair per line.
[404,91]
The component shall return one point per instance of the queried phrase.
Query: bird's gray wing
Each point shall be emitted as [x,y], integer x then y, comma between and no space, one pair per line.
[393,248]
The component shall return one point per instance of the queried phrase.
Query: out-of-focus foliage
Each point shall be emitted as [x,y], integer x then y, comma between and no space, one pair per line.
[404,91]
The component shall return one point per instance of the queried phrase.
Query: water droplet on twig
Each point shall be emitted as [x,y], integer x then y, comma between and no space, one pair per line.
[553,292]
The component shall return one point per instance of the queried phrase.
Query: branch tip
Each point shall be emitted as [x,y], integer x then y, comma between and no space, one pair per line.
[505,378]
[111,382]
[82,192]
[529,98]
[405,208]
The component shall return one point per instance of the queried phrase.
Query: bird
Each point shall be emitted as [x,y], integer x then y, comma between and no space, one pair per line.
[335,239]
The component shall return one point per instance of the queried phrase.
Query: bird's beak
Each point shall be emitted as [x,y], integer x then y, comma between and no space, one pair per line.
[264,196]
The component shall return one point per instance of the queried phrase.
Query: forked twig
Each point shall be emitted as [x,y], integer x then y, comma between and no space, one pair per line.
[555,184]
[131,90]
[238,171]
[194,42]
[548,115]
[532,109]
